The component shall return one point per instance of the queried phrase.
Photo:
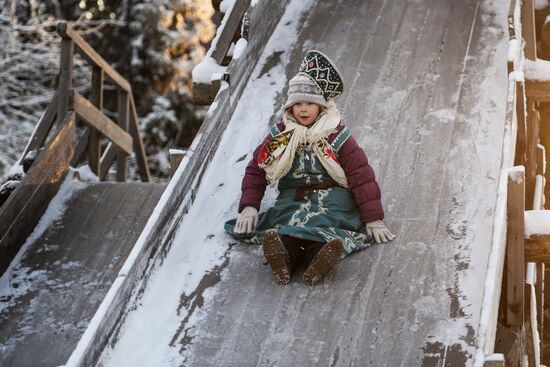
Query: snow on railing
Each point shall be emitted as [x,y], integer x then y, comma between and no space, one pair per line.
[207,74]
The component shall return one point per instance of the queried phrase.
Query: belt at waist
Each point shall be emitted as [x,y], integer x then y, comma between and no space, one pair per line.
[302,192]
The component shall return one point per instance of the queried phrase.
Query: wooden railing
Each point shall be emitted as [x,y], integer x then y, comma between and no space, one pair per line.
[234,24]
[521,314]
[47,162]
[123,135]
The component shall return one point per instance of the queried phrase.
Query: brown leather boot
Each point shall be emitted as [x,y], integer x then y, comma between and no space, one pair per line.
[326,259]
[276,256]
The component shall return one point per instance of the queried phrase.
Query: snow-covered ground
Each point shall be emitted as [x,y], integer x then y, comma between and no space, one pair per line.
[147,336]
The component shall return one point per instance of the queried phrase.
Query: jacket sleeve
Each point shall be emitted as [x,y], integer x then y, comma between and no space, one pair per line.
[254,181]
[361,180]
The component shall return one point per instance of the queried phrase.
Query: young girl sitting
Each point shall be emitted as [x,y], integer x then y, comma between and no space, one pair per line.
[329,203]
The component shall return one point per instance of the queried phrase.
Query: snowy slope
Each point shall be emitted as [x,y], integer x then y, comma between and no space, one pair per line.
[201,244]
[426,91]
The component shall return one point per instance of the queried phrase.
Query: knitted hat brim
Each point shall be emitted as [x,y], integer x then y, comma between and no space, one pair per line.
[303,97]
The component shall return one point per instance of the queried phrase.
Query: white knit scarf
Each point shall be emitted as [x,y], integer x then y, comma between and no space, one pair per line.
[325,125]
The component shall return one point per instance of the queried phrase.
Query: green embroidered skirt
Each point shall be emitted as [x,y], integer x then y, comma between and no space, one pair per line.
[321,216]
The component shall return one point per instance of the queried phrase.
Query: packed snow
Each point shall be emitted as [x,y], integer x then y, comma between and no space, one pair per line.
[537,222]
[200,242]
[16,280]
[537,70]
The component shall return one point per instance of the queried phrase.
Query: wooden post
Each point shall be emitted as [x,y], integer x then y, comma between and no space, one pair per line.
[96,97]
[515,263]
[522,129]
[539,287]
[531,158]
[176,156]
[541,153]
[494,360]
[65,80]
[528,29]
[123,118]
[139,150]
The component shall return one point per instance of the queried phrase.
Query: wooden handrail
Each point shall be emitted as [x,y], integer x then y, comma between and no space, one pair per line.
[95,118]
[205,92]
[231,22]
[42,128]
[125,136]
[92,56]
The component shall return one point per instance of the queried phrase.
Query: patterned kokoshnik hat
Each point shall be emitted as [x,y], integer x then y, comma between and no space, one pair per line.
[317,81]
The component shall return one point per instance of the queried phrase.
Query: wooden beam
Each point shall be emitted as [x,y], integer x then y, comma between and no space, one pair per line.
[107,160]
[96,98]
[92,56]
[494,360]
[141,158]
[538,90]
[43,127]
[528,29]
[22,211]
[89,113]
[537,248]
[521,144]
[80,147]
[65,83]
[515,262]
[123,117]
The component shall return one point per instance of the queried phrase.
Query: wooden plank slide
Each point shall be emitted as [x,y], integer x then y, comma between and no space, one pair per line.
[429,108]
[411,101]
[23,209]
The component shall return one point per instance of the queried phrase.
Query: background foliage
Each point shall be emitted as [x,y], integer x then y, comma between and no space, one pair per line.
[153,43]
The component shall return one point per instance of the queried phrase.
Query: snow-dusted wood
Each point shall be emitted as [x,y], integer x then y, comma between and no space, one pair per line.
[515,258]
[23,209]
[204,91]
[106,161]
[56,286]
[228,29]
[176,157]
[89,113]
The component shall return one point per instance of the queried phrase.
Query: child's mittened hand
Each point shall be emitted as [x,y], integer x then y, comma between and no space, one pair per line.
[379,231]
[247,220]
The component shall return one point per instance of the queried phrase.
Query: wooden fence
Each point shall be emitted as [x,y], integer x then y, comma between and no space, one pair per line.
[521,314]
[69,145]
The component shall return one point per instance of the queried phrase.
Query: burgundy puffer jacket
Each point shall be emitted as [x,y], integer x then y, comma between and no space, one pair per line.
[354,162]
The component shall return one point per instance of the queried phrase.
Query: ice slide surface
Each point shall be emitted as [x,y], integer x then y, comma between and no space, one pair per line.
[55,284]
[425,96]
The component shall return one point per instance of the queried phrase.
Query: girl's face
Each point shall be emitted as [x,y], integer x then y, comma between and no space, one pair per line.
[306,113]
